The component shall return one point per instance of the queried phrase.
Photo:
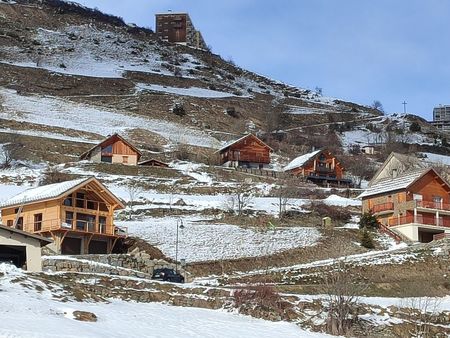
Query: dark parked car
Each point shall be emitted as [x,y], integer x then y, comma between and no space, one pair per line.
[168,275]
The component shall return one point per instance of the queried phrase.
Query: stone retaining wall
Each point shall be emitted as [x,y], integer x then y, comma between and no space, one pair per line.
[139,264]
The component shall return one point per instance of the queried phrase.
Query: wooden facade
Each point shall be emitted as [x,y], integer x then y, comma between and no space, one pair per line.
[79,220]
[248,151]
[114,149]
[319,167]
[418,211]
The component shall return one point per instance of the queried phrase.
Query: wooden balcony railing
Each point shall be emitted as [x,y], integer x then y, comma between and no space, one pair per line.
[383,207]
[74,225]
[433,205]
[420,219]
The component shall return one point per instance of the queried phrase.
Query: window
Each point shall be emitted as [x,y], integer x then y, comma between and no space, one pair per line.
[69,219]
[102,224]
[107,149]
[37,222]
[437,201]
[124,159]
[68,201]
[106,159]
[10,223]
[80,200]
[20,223]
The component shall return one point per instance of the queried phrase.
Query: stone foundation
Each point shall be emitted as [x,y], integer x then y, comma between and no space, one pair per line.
[132,265]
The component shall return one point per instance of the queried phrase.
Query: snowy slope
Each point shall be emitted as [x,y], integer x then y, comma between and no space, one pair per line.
[201,241]
[29,313]
[57,112]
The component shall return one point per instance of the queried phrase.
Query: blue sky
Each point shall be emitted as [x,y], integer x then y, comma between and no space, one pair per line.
[356,50]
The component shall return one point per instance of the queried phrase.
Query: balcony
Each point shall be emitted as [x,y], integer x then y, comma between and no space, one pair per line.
[420,219]
[433,205]
[383,207]
[75,225]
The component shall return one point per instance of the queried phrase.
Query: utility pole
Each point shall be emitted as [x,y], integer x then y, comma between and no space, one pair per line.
[404,103]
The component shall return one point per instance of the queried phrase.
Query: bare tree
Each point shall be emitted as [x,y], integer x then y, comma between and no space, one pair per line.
[423,311]
[134,192]
[377,105]
[9,152]
[284,193]
[241,199]
[358,168]
[343,290]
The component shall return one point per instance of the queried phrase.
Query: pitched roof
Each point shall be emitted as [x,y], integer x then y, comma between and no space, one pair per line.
[393,184]
[230,143]
[106,140]
[154,160]
[406,160]
[51,191]
[44,241]
[301,160]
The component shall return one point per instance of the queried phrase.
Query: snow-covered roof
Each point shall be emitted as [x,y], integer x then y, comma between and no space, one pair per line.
[44,192]
[392,184]
[230,143]
[301,160]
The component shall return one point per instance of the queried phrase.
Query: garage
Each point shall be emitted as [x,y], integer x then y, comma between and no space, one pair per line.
[98,247]
[14,254]
[71,246]
[426,235]
[21,248]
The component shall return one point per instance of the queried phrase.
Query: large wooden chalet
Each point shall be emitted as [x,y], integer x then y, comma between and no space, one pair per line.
[248,151]
[114,149]
[415,205]
[78,215]
[320,167]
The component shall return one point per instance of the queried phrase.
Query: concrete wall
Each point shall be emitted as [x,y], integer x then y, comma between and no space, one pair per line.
[33,248]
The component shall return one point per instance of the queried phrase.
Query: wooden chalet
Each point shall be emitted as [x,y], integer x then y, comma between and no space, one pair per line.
[248,151]
[153,163]
[320,167]
[415,205]
[114,149]
[78,215]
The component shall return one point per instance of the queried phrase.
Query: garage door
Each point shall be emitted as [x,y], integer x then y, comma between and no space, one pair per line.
[98,247]
[71,246]
[15,254]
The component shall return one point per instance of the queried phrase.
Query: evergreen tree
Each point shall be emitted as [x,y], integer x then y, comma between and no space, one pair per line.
[367,240]
[368,221]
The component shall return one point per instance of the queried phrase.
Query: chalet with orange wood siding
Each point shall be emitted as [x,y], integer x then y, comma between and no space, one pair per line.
[248,151]
[78,215]
[415,205]
[320,167]
[114,149]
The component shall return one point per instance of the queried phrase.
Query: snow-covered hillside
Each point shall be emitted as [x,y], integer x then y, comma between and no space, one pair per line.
[29,309]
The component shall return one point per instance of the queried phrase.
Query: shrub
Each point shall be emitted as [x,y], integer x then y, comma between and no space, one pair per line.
[263,296]
[338,214]
[368,221]
[178,109]
[52,175]
[232,112]
[367,240]
[415,127]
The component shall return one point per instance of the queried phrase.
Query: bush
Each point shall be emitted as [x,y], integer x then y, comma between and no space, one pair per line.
[232,112]
[337,214]
[367,240]
[415,127]
[368,221]
[262,296]
[52,175]
[178,109]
